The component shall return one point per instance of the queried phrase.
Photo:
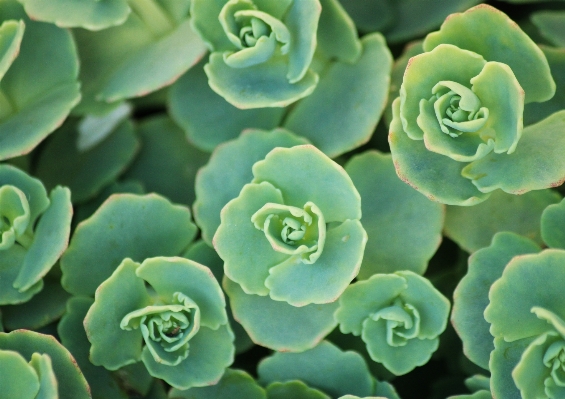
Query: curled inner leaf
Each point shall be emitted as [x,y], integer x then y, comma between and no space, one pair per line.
[402,322]
[166,328]
[14,217]
[458,110]
[292,230]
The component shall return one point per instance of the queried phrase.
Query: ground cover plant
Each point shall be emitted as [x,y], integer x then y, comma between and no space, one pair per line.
[260,199]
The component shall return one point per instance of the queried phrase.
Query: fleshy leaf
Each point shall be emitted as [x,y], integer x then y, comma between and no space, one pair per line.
[246,88]
[126,225]
[343,111]
[50,240]
[234,384]
[207,118]
[552,222]
[17,378]
[89,14]
[86,172]
[47,380]
[11,34]
[278,325]
[394,216]
[550,24]
[507,43]
[10,263]
[121,293]
[473,227]
[536,164]
[471,295]
[504,358]
[293,389]
[337,35]
[325,367]
[166,163]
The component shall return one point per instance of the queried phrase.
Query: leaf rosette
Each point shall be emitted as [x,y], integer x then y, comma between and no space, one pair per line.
[294,232]
[167,312]
[461,108]
[34,232]
[261,50]
[399,316]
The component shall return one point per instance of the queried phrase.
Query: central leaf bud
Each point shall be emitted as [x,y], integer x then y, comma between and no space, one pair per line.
[402,322]
[458,109]
[293,231]
[166,328]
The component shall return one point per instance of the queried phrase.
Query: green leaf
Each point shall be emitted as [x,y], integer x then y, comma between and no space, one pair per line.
[302,21]
[343,111]
[86,172]
[293,389]
[337,35]
[503,360]
[240,244]
[206,22]
[89,14]
[51,237]
[395,216]
[300,284]
[507,43]
[71,382]
[31,111]
[233,384]
[325,367]
[10,263]
[309,175]
[103,384]
[190,278]
[11,34]
[436,176]
[229,169]
[473,227]
[527,281]
[471,295]
[536,164]
[167,163]
[278,325]
[535,112]
[246,88]
[47,380]
[126,225]
[123,292]
[552,221]
[17,378]
[211,351]
[207,118]
[550,25]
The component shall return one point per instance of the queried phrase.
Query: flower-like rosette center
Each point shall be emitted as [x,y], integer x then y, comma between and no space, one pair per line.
[292,230]
[402,322]
[554,360]
[458,110]
[14,217]
[255,33]
[166,328]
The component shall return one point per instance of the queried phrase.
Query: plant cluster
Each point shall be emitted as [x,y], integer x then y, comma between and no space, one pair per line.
[260,199]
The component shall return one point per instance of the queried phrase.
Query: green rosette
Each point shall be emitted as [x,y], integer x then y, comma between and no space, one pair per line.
[399,316]
[34,365]
[261,51]
[457,130]
[31,111]
[167,312]
[35,231]
[294,232]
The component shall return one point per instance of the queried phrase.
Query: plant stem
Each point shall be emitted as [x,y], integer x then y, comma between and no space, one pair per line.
[152,15]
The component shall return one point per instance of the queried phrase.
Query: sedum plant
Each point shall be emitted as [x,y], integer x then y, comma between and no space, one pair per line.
[261,50]
[176,308]
[457,131]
